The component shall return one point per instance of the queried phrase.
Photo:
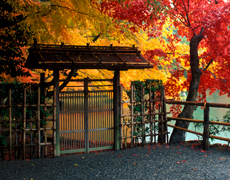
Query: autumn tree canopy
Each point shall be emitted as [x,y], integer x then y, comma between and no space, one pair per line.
[204,24]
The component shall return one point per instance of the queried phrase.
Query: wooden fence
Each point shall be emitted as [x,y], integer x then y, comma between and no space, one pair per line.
[24,129]
[150,119]
[205,122]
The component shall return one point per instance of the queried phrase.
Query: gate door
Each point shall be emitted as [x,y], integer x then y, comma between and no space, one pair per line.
[86,117]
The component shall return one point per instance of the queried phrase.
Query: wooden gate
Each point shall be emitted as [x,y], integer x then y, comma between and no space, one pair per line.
[143,114]
[86,117]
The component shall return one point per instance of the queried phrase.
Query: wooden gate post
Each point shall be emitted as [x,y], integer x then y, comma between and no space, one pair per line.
[86,121]
[56,85]
[116,106]
[206,127]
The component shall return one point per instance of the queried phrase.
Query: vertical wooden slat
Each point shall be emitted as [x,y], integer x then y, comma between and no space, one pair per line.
[121,105]
[132,115]
[159,123]
[45,126]
[165,118]
[10,125]
[142,114]
[150,112]
[116,106]
[38,123]
[162,123]
[56,120]
[1,129]
[31,132]
[206,127]
[42,133]
[154,117]
[24,126]
[86,81]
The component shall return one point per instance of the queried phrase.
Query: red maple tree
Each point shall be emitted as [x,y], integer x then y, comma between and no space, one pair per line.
[205,24]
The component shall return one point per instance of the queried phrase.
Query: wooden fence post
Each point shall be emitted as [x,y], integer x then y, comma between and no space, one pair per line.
[24,126]
[10,125]
[56,88]
[38,123]
[86,121]
[142,114]
[132,101]
[116,106]
[206,127]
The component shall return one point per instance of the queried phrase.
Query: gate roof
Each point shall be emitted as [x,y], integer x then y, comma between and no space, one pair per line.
[85,57]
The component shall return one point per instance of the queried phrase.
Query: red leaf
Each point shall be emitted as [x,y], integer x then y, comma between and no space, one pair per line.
[119,155]
[178,152]
[149,152]
[134,155]
[178,162]
[154,147]
[195,169]
[183,160]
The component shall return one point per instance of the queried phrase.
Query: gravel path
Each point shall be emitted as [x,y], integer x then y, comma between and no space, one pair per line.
[150,162]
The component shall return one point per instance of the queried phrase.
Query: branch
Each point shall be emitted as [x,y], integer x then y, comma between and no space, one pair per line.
[210,62]
[72,10]
[67,79]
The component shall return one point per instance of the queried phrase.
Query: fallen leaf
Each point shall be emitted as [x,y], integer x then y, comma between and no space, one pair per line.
[134,163]
[203,151]
[154,147]
[149,152]
[149,149]
[178,152]
[75,164]
[119,155]
[146,155]
[134,155]
[32,164]
[205,155]
[83,157]
[167,146]
[183,160]
[195,169]
[178,162]
[220,159]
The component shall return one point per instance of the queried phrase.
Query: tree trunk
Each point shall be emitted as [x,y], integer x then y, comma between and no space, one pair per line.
[187,112]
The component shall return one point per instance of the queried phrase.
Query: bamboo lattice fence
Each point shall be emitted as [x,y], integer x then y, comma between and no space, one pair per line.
[145,117]
[26,130]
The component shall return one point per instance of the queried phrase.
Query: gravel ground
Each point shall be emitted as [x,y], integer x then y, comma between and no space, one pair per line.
[177,161]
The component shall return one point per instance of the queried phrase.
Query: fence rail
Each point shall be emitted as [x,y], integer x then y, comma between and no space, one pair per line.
[24,128]
[205,122]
